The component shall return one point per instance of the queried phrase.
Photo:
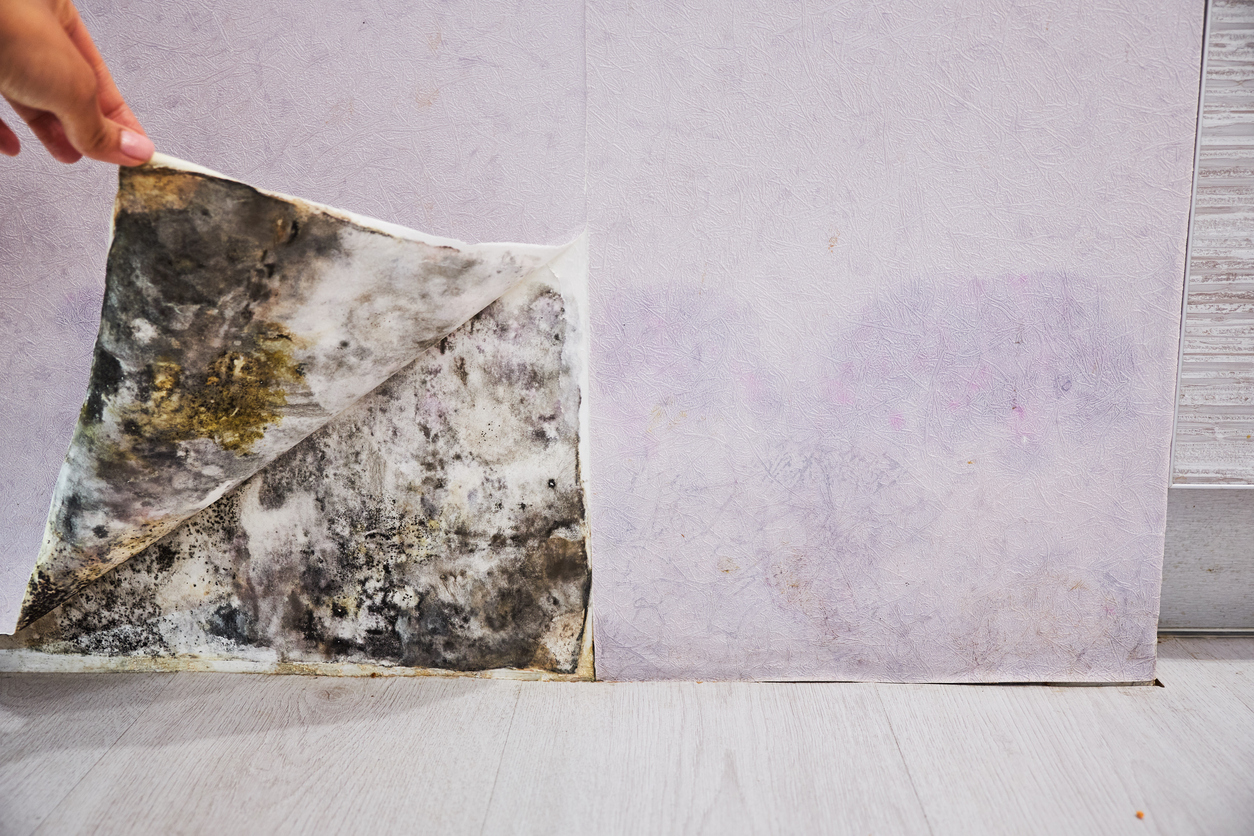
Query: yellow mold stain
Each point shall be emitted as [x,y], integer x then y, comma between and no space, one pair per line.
[232,402]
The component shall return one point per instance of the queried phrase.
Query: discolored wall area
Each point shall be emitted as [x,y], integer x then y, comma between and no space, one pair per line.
[235,323]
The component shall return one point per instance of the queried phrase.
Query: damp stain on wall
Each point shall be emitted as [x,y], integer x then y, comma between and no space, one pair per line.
[882,501]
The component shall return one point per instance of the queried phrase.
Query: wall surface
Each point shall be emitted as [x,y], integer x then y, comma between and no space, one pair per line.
[885,298]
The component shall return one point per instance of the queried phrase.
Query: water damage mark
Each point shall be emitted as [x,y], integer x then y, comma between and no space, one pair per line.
[231,402]
[960,480]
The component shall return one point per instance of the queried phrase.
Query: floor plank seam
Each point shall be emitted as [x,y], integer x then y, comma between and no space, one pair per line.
[879,695]
[169,681]
[509,728]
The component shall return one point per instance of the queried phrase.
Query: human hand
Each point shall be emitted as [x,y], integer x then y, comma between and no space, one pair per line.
[53,76]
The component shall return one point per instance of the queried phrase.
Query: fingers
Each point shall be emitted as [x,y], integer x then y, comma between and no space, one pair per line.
[110,98]
[94,136]
[91,122]
[48,130]
[53,75]
[9,144]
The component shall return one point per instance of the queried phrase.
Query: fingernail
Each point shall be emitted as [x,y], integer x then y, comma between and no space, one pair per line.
[136,146]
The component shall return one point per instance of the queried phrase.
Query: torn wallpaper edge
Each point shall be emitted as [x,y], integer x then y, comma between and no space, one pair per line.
[572,269]
[160,160]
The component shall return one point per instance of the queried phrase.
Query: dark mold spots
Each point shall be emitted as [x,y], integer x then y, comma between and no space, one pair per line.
[106,375]
[230,623]
[164,556]
[563,561]
[411,582]
[291,472]
[200,270]
[112,617]
[42,595]
[402,563]
[195,261]
[68,514]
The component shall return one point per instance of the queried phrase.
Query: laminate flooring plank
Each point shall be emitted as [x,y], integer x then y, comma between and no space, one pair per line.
[272,754]
[1206,663]
[223,753]
[54,728]
[1199,662]
[1015,759]
[1187,749]
[1079,760]
[693,758]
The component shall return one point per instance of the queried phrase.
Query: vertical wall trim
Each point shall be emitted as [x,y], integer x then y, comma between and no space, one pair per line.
[1188,243]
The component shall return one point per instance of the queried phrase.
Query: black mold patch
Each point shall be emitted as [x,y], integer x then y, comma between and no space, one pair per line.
[230,623]
[106,375]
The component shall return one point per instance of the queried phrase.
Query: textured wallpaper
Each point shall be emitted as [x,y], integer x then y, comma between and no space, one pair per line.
[463,119]
[886,305]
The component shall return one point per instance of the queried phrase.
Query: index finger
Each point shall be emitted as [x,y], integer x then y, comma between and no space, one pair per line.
[112,104]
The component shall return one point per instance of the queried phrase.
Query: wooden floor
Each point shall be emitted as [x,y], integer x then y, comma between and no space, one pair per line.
[236,753]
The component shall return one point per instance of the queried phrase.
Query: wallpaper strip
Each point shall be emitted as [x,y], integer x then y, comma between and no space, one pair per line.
[887,311]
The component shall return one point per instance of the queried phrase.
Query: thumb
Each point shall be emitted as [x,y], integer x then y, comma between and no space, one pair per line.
[102,139]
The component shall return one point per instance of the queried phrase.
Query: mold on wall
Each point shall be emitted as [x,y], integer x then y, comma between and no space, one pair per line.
[235,323]
[461,116]
[437,523]
[291,454]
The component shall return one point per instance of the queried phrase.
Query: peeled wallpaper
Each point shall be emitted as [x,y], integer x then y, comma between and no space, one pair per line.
[884,318]
[464,118]
[235,323]
[407,407]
